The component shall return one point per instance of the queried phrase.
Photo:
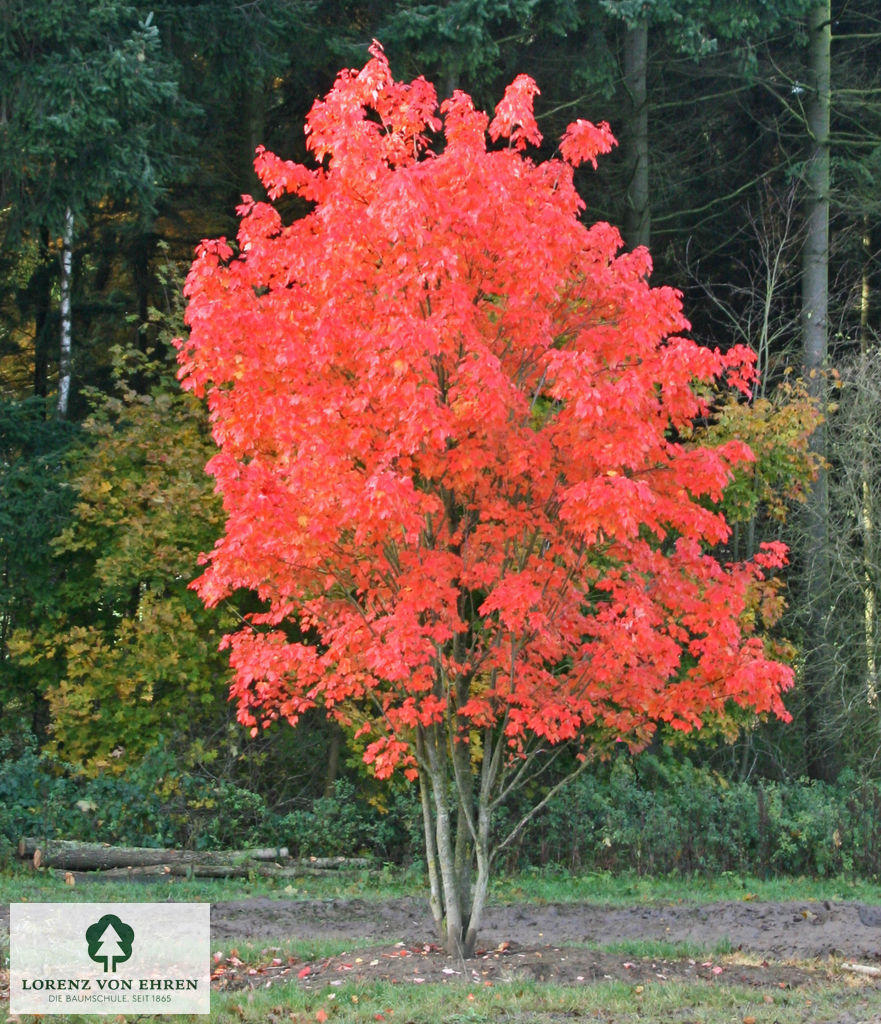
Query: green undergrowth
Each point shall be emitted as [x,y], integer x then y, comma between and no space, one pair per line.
[652,815]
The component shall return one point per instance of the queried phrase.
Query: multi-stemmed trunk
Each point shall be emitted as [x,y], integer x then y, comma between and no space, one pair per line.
[460,788]
[456,811]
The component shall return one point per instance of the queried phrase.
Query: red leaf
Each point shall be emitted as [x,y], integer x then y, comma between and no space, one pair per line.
[444,410]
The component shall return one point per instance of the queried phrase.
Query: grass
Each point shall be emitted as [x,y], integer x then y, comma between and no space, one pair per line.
[535,1002]
[22,883]
[610,1002]
[558,886]
[305,950]
[531,1003]
[656,949]
[531,886]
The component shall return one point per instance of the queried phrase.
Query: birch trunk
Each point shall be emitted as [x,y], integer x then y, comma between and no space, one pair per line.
[44,280]
[867,509]
[64,359]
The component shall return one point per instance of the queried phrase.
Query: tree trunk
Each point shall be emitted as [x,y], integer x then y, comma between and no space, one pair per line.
[76,856]
[489,771]
[464,789]
[43,280]
[254,122]
[333,758]
[457,846]
[139,250]
[64,360]
[637,216]
[819,666]
[435,891]
[867,506]
[452,926]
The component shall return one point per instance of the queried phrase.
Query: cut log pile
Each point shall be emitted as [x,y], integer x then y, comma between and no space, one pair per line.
[121,861]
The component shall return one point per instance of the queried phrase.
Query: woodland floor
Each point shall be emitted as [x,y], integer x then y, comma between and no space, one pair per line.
[769,945]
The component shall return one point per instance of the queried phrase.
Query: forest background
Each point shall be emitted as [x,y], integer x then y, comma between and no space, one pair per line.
[749,162]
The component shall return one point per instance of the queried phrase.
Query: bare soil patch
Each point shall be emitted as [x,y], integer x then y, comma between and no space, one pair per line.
[780,945]
[772,945]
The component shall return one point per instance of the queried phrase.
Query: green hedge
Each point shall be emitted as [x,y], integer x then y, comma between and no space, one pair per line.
[654,815]
[152,805]
[156,805]
[658,816]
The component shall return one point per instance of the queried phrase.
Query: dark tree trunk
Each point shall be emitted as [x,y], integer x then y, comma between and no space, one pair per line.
[637,216]
[819,663]
[42,284]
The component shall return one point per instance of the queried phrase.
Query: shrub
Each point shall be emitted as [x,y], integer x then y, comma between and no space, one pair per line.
[154,804]
[345,824]
[657,815]
[653,814]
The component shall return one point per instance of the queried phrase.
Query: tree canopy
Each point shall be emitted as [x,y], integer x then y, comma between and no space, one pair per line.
[450,422]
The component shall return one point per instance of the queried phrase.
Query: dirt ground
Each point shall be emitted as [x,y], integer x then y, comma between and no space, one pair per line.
[773,944]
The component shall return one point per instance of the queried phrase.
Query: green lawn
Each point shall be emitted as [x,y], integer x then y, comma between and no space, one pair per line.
[538,886]
[531,1003]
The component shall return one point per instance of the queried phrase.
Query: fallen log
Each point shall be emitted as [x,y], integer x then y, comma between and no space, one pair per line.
[292,869]
[332,863]
[214,871]
[70,855]
[868,970]
[76,856]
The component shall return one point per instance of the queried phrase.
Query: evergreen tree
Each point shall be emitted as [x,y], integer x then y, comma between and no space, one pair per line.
[90,111]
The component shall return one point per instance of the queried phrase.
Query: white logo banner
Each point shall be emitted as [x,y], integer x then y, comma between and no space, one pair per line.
[109,958]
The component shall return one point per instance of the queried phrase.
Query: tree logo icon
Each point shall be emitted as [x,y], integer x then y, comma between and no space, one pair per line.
[110,941]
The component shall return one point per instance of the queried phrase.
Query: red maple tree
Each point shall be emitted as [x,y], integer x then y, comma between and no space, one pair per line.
[450,421]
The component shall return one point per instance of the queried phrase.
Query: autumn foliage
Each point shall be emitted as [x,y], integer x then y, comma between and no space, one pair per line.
[452,426]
